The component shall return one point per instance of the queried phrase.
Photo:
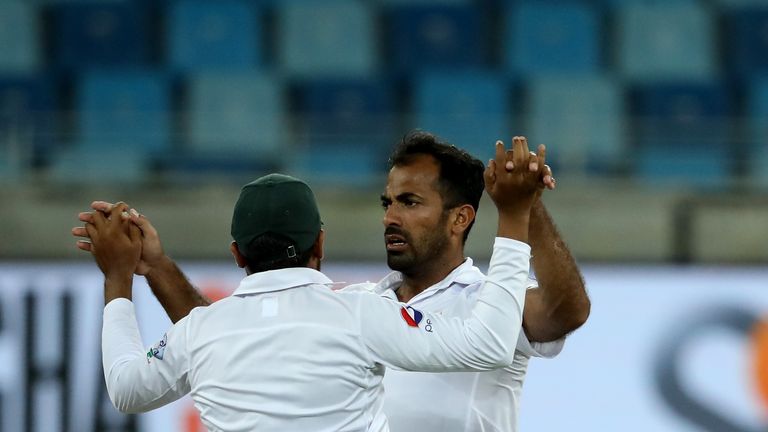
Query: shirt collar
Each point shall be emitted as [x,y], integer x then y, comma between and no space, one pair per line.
[464,274]
[282,279]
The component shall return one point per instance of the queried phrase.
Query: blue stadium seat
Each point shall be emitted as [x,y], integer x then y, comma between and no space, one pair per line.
[747,42]
[338,165]
[387,3]
[28,110]
[239,115]
[205,35]
[328,38]
[757,151]
[683,132]
[80,165]
[544,38]
[357,113]
[100,34]
[581,120]
[424,37]
[470,110]
[124,111]
[19,37]
[678,45]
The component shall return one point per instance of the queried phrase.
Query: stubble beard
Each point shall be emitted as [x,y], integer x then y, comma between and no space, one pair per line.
[422,253]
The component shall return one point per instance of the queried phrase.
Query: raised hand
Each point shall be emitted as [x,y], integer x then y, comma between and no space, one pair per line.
[513,180]
[115,242]
[152,249]
[513,177]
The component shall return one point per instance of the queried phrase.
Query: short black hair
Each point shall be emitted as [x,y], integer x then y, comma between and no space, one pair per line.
[271,251]
[461,174]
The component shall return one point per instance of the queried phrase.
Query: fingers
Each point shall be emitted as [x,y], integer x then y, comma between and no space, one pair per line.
[541,153]
[501,155]
[84,245]
[520,151]
[91,231]
[142,222]
[490,174]
[134,232]
[549,181]
[80,232]
[98,219]
[86,217]
[118,210]
[102,206]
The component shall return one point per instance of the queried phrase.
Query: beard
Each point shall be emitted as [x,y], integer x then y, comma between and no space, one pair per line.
[421,251]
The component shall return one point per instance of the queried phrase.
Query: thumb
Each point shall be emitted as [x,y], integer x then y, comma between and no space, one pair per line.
[143,223]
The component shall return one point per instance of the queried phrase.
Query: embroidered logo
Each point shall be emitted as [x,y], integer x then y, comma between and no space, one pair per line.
[158,350]
[411,316]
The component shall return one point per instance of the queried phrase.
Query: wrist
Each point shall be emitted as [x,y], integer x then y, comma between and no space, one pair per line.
[157,266]
[117,285]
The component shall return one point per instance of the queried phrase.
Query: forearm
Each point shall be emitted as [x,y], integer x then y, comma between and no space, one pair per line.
[482,341]
[117,286]
[173,290]
[133,385]
[561,304]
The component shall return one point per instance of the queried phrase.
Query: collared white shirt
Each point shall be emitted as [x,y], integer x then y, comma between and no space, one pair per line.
[457,402]
[287,353]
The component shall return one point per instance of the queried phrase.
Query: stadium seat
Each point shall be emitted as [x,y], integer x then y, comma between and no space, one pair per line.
[757,151]
[238,115]
[746,38]
[123,111]
[470,110]
[20,33]
[204,35]
[581,120]
[28,116]
[358,113]
[329,38]
[107,166]
[338,165]
[688,124]
[558,38]
[92,34]
[435,37]
[678,45]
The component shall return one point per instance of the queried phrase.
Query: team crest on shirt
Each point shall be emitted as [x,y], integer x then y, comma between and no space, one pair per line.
[158,350]
[411,316]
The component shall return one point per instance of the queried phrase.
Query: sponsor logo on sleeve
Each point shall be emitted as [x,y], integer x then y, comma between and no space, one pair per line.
[411,316]
[158,350]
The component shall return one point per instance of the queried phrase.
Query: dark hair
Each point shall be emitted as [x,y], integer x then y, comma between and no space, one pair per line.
[272,251]
[461,174]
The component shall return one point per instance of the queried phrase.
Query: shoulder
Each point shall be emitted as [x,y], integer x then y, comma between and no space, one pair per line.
[369,287]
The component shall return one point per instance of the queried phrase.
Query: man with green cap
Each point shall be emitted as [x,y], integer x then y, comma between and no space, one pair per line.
[285,352]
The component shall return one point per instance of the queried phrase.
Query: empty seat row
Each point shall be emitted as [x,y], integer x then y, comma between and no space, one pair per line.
[346,38]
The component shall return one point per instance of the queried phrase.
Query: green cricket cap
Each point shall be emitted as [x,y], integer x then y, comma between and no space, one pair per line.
[279,204]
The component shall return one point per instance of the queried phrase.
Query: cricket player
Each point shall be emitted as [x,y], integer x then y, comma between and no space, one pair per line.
[284,352]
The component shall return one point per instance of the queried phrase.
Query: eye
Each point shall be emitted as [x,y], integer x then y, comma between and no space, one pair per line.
[385,204]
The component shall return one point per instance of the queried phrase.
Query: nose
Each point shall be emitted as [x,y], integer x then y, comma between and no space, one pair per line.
[391,217]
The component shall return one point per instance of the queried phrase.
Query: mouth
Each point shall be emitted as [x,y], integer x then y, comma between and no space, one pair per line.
[395,243]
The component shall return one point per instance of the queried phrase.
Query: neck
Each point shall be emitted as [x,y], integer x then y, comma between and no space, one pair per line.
[416,282]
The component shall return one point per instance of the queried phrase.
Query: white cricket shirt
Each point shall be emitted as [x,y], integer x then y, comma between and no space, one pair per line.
[456,402]
[286,353]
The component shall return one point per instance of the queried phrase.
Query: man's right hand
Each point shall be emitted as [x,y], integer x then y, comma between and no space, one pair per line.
[513,181]
[152,250]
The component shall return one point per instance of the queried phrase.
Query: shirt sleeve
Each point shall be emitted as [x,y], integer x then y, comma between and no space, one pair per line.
[539,349]
[404,338]
[140,380]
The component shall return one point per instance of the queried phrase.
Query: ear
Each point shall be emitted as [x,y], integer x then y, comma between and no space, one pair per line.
[239,258]
[317,249]
[463,217]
